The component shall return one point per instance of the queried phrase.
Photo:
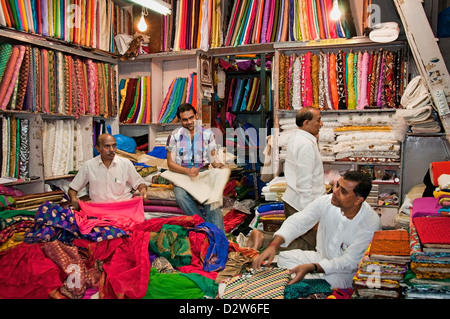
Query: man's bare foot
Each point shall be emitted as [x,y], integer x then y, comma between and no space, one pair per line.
[255,240]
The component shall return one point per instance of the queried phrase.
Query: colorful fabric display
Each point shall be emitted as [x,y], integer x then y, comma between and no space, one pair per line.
[343,80]
[82,25]
[41,80]
[180,91]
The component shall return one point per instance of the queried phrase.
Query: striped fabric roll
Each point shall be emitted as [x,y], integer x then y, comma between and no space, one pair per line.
[263,284]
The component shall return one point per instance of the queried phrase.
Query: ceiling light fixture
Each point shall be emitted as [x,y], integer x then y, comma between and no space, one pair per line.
[155,5]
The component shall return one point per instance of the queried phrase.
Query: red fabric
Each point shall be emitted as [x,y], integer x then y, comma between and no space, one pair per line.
[155,224]
[233,219]
[128,273]
[433,230]
[437,169]
[103,250]
[27,274]
[123,215]
[199,246]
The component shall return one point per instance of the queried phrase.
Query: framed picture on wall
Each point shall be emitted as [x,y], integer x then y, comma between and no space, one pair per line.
[206,71]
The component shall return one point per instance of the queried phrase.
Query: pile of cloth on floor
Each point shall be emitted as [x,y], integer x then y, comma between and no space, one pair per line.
[108,251]
[113,250]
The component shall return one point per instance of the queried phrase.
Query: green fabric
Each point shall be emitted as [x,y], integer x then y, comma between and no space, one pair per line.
[307,287]
[207,285]
[16,212]
[171,286]
[5,54]
[172,242]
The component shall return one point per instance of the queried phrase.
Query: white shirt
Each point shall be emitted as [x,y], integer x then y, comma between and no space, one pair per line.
[303,170]
[107,184]
[341,242]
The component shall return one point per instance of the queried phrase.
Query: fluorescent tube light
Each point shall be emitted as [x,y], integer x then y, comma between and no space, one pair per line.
[155,5]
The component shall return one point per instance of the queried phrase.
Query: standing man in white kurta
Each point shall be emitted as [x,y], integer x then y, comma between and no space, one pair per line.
[303,168]
[304,175]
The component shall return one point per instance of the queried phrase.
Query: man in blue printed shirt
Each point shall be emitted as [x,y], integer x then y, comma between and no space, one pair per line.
[191,149]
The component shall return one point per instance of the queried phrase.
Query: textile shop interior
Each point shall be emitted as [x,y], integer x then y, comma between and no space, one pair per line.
[245,66]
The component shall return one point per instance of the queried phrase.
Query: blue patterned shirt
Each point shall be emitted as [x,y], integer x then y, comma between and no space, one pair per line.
[195,153]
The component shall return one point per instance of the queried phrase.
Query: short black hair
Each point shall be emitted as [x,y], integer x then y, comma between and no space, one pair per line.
[364,182]
[185,107]
[305,113]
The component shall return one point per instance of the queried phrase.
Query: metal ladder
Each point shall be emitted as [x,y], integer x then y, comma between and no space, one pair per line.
[427,56]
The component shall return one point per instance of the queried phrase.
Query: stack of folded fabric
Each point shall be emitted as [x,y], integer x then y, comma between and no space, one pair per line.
[417,110]
[430,258]
[382,268]
[274,190]
[269,216]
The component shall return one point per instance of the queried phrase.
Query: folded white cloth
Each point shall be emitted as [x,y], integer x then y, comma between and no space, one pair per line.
[384,32]
[415,95]
[206,188]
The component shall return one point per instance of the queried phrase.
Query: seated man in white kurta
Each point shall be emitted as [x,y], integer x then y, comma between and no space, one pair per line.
[111,178]
[346,227]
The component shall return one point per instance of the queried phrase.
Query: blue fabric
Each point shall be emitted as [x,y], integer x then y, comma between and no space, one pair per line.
[217,254]
[269,207]
[158,152]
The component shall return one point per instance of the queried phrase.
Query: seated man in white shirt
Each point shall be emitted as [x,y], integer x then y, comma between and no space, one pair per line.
[111,178]
[346,227]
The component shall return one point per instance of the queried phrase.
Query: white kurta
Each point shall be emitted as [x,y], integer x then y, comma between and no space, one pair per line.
[303,170]
[341,242]
[107,184]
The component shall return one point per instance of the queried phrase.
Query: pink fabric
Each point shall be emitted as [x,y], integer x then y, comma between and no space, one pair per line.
[425,206]
[8,74]
[124,214]
[15,74]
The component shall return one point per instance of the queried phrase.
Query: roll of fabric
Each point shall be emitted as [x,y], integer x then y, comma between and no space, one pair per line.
[14,76]
[23,78]
[24,154]
[340,68]
[8,74]
[351,85]
[45,81]
[5,54]
[315,79]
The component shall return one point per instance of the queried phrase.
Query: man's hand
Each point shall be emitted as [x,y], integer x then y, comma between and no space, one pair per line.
[193,172]
[300,272]
[268,254]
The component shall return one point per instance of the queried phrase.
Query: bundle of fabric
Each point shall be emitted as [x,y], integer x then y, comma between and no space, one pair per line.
[342,80]
[402,220]
[269,216]
[33,201]
[62,147]
[274,190]
[430,258]
[279,21]
[382,268]
[418,111]
[198,31]
[95,25]
[13,226]
[180,91]
[15,134]
[69,85]
[135,101]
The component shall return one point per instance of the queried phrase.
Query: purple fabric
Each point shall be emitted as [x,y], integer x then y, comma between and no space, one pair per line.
[425,206]
[163,209]
[265,21]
